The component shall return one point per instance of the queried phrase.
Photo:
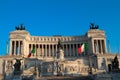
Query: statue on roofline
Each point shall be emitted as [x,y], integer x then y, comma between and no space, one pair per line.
[92,26]
[20,27]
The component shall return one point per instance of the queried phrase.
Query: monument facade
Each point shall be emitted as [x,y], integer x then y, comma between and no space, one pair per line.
[56,55]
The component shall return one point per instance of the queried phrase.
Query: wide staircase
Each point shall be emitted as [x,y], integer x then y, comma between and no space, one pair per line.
[65,78]
[115,76]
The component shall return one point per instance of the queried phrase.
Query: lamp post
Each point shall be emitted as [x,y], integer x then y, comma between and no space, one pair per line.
[59,46]
[36,63]
[22,65]
[57,66]
[90,67]
[79,66]
[54,65]
[40,69]
[36,68]
[7,49]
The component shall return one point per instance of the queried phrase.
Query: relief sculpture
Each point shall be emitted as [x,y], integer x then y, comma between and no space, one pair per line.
[75,68]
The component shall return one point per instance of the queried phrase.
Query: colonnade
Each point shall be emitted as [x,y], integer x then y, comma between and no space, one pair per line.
[50,50]
[44,50]
[16,47]
[99,46]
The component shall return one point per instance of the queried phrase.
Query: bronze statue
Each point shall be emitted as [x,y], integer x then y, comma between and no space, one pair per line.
[59,43]
[20,27]
[17,65]
[92,26]
[17,28]
[115,63]
[96,26]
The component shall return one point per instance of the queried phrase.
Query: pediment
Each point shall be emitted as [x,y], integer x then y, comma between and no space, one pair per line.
[99,36]
[19,37]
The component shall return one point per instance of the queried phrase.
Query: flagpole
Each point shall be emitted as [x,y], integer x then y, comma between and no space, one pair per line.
[36,63]
[108,46]
[7,48]
[118,48]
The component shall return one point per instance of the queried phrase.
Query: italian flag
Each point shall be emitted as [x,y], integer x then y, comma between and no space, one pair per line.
[83,48]
[32,52]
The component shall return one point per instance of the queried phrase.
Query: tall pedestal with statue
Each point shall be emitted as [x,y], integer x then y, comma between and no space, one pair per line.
[60,60]
[61,55]
[17,70]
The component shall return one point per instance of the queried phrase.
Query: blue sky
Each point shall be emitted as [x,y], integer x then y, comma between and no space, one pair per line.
[64,17]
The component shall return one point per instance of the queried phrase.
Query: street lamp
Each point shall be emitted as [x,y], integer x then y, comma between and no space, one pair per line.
[36,68]
[59,46]
[40,69]
[90,67]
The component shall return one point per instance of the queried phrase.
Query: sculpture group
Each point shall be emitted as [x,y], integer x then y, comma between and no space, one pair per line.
[114,66]
[92,26]
[115,63]
[20,27]
[17,66]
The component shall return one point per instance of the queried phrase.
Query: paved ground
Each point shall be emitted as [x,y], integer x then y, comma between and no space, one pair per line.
[65,78]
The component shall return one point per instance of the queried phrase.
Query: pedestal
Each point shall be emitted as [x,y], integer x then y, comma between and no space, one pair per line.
[61,53]
[17,72]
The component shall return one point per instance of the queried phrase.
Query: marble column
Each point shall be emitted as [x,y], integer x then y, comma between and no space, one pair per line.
[77,49]
[93,46]
[18,47]
[70,49]
[14,47]
[66,50]
[36,52]
[53,50]
[22,48]
[73,49]
[39,50]
[21,45]
[31,49]
[97,47]
[101,46]
[49,49]
[42,50]
[63,48]
[11,47]
[45,50]
[56,50]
